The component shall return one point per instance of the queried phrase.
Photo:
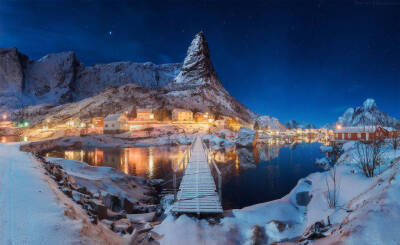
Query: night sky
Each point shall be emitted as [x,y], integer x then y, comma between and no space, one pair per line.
[303,60]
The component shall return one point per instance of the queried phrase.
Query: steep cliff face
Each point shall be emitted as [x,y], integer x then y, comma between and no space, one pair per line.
[367,115]
[92,80]
[11,71]
[49,80]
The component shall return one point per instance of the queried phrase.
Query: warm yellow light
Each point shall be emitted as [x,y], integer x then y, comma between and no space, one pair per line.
[338,126]
[4,116]
[151,116]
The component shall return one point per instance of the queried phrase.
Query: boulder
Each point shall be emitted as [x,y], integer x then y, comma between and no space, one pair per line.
[246,137]
[98,208]
[141,218]
[123,226]
[303,198]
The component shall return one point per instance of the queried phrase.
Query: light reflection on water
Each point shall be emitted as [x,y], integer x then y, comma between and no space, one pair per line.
[265,173]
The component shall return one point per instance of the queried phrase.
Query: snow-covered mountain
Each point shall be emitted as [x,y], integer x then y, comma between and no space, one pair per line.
[367,115]
[61,78]
[196,87]
[294,124]
[270,123]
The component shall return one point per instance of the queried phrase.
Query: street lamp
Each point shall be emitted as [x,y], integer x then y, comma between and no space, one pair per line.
[4,116]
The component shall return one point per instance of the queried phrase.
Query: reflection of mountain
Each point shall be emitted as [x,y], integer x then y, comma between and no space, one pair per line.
[246,158]
[268,152]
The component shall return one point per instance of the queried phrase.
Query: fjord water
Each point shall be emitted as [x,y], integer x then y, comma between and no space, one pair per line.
[249,176]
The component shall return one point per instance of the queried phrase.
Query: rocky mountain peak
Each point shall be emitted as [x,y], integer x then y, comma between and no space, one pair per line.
[197,67]
[369,104]
[367,115]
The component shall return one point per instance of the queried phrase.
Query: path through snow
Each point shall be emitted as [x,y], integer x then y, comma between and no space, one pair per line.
[29,210]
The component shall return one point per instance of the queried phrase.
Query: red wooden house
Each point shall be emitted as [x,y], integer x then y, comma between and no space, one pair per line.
[363,133]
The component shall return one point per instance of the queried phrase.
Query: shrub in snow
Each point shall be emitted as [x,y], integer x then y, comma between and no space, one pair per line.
[369,156]
[332,186]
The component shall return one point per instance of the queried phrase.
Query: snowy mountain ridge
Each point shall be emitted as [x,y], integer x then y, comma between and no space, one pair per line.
[196,87]
[61,78]
[367,115]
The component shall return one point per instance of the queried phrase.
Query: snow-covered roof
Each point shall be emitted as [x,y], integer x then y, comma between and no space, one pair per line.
[112,117]
[144,110]
[361,129]
[180,110]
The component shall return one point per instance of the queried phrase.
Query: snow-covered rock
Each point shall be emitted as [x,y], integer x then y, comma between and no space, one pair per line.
[367,115]
[246,137]
[267,122]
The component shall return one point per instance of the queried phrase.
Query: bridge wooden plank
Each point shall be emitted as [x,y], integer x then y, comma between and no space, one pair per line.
[197,192]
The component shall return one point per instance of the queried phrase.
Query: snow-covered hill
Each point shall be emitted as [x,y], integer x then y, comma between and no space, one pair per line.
[367,114]
[196,87]
[273,123]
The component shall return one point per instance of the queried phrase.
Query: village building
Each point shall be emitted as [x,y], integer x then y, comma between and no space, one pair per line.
[6,124]
[182,115]
[203,117]
[73,123]
[363,133]
[98,122]
[115,123]
[143,114]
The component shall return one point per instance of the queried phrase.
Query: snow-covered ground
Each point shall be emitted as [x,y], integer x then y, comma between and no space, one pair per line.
[33,211]
[367,212]
[30,212]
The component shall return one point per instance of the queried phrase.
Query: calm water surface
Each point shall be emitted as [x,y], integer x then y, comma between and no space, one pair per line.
[249,176]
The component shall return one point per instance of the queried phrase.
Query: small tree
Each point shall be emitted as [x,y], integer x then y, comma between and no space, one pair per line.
[256,126]
[333,187]
[369,156]
[148,131]
[395,142]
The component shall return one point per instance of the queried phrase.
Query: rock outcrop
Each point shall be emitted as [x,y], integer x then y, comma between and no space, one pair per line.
[246,137]
[267,122]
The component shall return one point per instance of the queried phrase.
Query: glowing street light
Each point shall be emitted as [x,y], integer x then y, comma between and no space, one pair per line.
[338,126]
[4,116]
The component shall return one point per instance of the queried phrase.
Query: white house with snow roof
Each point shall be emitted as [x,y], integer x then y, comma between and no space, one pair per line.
[115,123]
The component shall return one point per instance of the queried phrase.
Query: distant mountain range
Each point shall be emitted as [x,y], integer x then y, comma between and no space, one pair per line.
[367,115]
[294,124]
[59,87]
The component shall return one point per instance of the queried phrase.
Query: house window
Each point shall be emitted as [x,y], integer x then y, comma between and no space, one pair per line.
[106,125]
[358,135]
[349,135]
[112,125]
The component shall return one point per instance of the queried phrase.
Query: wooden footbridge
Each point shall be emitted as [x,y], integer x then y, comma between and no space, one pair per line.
[197,193]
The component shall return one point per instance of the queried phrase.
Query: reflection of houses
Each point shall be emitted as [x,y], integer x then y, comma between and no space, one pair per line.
[363,133]
[182,115]
[144,114]
[115,123]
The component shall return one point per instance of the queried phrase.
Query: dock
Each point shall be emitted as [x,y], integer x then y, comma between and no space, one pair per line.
[197,193]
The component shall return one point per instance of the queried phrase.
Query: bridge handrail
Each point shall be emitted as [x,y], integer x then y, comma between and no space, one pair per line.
[188,151]
[207,150]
